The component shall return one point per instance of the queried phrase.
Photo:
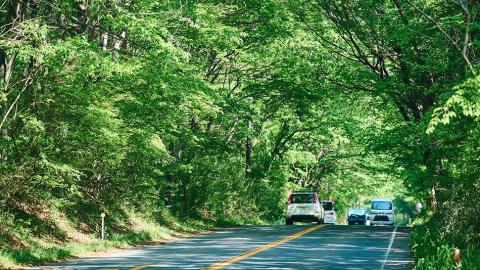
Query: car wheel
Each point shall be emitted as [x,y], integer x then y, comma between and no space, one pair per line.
[288,221]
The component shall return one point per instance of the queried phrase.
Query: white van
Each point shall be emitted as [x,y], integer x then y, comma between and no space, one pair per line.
[382,212]
[303,206]
[329,211]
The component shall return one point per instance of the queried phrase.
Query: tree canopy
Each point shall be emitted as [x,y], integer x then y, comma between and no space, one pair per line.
[216,109]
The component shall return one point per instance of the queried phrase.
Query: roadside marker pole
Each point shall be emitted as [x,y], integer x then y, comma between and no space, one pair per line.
[457,256]
[102,215]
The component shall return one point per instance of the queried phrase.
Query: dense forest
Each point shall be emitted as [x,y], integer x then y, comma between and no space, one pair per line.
[214,110]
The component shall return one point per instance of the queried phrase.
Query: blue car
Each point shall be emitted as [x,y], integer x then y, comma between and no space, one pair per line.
[357,216]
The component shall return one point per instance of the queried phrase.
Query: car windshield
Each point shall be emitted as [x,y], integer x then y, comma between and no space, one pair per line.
[328,206]
[379,205]
[356,212]
[302,198]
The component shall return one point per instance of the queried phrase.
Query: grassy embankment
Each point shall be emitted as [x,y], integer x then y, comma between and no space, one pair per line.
[433,249]
[23,243]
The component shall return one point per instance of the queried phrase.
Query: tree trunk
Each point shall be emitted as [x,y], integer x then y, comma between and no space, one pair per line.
[185,197]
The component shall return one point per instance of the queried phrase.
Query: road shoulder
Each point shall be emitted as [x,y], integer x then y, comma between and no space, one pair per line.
[399,256]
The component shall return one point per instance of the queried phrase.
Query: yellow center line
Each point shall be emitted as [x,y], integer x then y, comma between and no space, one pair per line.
[141,267]
[220,265]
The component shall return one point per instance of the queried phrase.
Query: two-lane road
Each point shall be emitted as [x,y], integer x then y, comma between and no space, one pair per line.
[277,247]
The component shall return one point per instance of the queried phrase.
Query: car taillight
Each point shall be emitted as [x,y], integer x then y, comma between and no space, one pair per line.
[331,213]
[289,199]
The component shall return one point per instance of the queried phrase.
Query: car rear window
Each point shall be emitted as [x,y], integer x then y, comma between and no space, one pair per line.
[302,198]
[356,212]
[328,206]
[379,205]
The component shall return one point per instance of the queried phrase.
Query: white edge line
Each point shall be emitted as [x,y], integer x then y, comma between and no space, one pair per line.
[389,247]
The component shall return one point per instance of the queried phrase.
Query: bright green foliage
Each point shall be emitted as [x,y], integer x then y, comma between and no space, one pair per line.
[215,110]
[465,101]
[421,58]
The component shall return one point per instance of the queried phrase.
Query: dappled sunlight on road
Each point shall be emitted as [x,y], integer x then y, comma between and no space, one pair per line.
[329,247]
[334,247]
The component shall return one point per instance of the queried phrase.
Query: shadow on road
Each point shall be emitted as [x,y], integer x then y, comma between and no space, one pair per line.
[330,247]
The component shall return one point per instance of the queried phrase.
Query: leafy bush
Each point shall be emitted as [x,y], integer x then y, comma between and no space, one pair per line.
[433,250]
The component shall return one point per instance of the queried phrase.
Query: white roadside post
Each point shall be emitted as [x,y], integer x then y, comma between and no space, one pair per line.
[418,207]
[102,215]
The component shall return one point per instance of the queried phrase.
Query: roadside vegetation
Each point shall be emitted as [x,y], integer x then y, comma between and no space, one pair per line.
[192,114]
[140,230]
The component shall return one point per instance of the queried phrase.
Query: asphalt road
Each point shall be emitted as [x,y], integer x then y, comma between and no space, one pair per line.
[277,247]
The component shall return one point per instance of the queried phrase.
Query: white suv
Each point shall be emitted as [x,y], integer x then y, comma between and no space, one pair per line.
[304,206]
[382,212]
